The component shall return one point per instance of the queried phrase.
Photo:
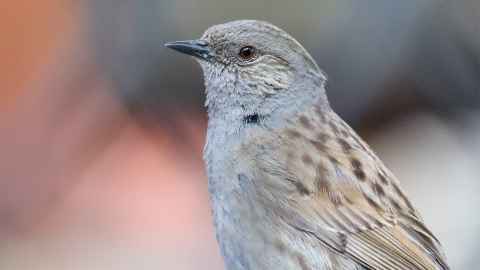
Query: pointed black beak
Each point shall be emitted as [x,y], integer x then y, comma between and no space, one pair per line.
[196,48]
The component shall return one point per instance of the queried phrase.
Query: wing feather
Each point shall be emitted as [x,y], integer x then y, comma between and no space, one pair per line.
[354,206]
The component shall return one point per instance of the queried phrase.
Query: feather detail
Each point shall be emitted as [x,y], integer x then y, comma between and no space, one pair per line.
[341,193]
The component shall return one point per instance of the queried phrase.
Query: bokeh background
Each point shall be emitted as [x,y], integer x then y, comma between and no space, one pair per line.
[102,128]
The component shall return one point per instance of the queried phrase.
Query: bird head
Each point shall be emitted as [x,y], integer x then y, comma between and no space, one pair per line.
[253,68]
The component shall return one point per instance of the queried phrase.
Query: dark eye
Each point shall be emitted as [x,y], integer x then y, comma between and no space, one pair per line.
[247,53]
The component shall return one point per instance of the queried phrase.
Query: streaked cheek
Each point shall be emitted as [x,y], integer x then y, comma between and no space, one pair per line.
[219,77]
[267,76]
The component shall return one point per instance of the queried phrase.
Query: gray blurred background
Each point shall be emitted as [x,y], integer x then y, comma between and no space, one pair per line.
[102,128]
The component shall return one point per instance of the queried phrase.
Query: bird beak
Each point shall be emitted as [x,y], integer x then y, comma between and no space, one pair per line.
[197,48]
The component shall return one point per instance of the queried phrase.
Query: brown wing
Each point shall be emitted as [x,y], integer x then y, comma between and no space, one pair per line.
[374,237]
[338,191]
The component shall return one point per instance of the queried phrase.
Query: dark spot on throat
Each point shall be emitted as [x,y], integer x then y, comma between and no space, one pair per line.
[251,119]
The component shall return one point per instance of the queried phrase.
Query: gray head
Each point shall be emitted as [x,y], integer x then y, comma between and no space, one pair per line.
[254,68]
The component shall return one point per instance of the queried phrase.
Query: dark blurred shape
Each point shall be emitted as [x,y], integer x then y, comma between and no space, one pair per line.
[129,39]
[445,63]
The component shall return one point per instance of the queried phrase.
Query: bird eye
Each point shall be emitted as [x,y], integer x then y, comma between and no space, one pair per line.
[247,53]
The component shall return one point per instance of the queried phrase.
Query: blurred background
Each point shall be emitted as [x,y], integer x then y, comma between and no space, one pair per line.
[102,128]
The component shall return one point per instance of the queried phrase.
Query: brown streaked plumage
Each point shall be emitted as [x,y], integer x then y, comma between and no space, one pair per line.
[378,232]
[292,186]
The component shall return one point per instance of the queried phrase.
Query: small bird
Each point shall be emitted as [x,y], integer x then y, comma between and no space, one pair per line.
[292,186]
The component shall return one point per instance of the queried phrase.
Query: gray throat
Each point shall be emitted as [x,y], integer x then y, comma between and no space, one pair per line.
[226,118]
